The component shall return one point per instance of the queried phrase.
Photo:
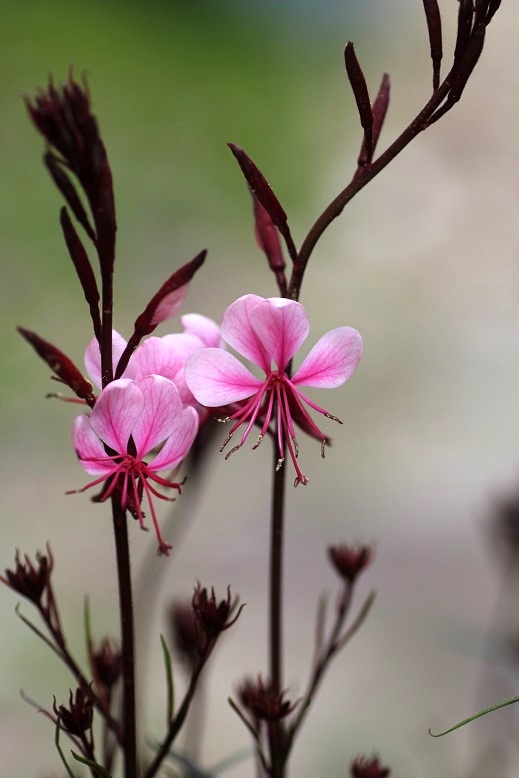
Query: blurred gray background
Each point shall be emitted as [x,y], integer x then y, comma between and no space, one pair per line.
[424,263]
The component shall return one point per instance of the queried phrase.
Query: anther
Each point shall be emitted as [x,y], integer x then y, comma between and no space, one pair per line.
[232,451]
[227,439]
[333,418]
[260,438]
[222,421]
[296,447]
[279,464]
[323,444]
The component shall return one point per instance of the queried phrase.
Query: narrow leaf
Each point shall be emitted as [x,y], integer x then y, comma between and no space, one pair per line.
[478,715]
[61,365]
[361,94]
[60,752]
[99,769]
[83,269]
[434,27]
[169,682]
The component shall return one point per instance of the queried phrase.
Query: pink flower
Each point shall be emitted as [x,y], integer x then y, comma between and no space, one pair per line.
[130,419]
[164,356]
[268,331]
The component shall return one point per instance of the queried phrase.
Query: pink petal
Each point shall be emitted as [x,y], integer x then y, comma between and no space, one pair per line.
[178,444]
[238,331]
[160,413]
[206,329]
[154,357]
[115,413]
[89,448]
[217,378]
[93,358]
[332,360]
[169,305]
[282,326]
[182,344]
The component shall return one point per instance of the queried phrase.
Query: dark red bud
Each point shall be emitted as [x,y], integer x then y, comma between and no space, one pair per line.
[106,663]
[434,27]
[465,18]
[379,112]
[267,238]
[263,702]
[77,718]
[349,561]
[361,94]
[363,767]
[67,189]
[83,269]
[61,365]
[260,186]
[28,579]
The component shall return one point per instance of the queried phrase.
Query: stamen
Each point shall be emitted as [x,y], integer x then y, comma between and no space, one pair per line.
[333,418]
[227,439]
[323,444]
[232,451]
[279,464]
[222,421]
[260,438]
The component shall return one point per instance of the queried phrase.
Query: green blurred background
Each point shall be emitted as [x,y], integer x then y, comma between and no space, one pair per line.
[424,263]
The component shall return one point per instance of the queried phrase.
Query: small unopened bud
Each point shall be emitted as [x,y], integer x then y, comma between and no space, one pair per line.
[212,617]
[263,701]
[28,579]
[77,718]
[349,561]
[361,767]
[107,663]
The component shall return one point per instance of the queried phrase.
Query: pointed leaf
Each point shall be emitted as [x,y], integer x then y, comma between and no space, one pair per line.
[170,710]
[99,769]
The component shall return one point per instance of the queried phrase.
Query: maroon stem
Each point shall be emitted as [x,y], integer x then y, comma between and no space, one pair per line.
[277,753]
[362,177]
[127,638]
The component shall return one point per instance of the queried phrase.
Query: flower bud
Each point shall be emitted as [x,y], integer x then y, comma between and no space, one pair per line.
[349,561]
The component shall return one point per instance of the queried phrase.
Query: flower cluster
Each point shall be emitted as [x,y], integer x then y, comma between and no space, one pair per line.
[149,406]
[168,383]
